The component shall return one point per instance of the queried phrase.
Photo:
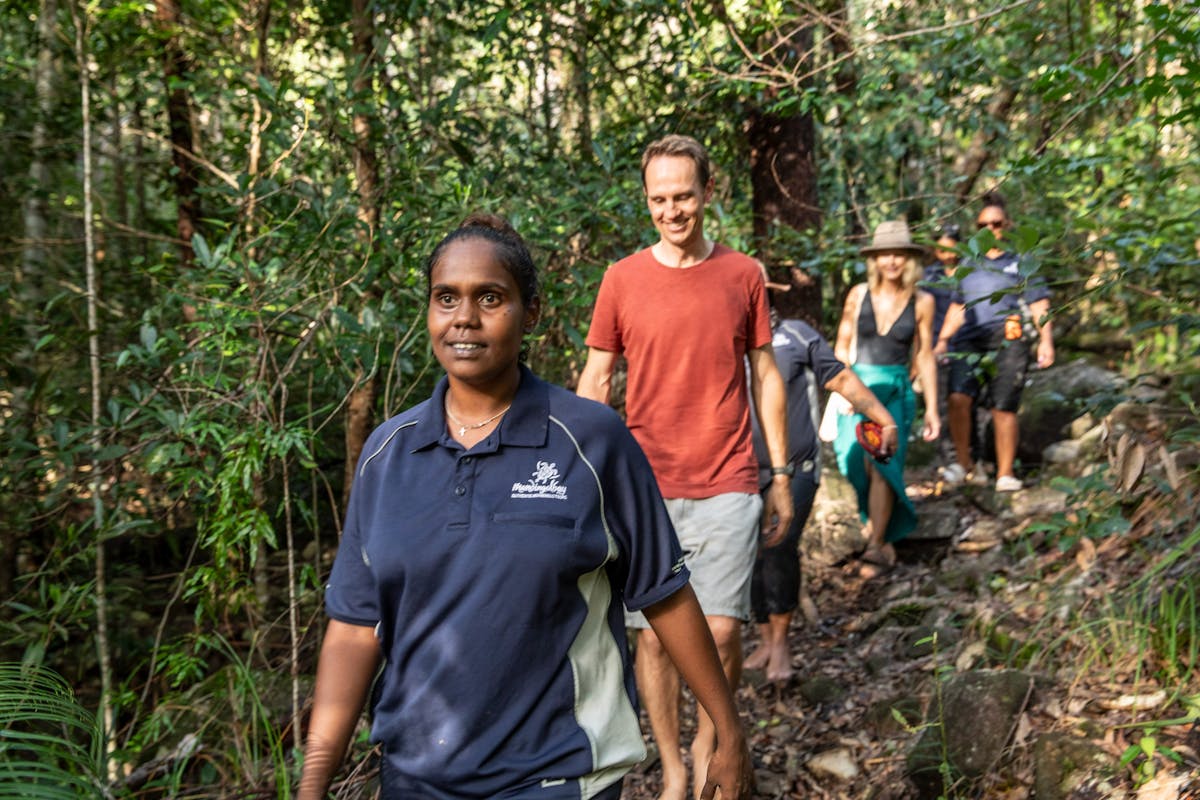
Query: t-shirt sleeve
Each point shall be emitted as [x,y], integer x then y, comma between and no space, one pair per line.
[956,294]
[758,321]
[824,363]
[1035,289]
[650,565]
[351,595]
[604,333]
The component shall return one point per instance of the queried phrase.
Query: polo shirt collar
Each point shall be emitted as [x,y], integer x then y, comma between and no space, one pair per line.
[525,425]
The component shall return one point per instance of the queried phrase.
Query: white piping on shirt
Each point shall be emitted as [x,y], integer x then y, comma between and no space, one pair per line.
[385,443]
[612,542]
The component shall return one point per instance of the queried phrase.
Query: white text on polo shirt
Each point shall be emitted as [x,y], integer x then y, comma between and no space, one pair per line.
[542,485]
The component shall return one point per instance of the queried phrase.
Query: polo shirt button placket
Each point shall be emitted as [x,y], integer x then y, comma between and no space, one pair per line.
[463,489]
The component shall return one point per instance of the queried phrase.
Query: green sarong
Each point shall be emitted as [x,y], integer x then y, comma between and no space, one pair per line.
[891,384]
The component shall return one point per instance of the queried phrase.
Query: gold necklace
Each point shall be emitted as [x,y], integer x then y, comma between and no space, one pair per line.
[463,427]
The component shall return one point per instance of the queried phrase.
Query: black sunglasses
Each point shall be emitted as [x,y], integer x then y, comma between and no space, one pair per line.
[990,224]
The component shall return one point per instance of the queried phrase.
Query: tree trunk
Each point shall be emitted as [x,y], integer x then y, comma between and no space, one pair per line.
[33,255]
[970,165]
[783,177]
[115,244]
[262,578]
[582,82]
[30,269]
[360,408]
[846,81]
[103,646]
[176,68]
[140,214]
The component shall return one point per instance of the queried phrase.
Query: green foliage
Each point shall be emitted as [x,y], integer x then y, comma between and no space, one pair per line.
[49,744]
[225,379]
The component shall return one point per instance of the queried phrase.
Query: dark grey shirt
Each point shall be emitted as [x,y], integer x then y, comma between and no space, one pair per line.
[807,363]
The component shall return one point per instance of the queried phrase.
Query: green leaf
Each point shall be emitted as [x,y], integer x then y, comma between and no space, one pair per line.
[200,248]
[148,335]
[111,451]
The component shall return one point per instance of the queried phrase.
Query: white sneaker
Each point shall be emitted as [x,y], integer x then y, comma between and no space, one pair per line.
[1007,483]
[954,474]
[978,475]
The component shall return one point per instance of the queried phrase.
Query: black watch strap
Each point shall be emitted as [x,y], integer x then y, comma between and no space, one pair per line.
[787,469]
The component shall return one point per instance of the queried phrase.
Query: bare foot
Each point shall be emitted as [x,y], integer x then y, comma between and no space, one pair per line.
[779,669]
[877,561]
[759,658]
[675,782]
[700,777]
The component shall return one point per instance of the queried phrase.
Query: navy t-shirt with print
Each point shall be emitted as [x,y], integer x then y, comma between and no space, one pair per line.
[496,577]
[979,283]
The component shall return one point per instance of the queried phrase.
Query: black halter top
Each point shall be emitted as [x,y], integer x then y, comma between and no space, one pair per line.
[892,347]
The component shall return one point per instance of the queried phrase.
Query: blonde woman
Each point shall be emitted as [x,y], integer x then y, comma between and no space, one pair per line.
[887,323]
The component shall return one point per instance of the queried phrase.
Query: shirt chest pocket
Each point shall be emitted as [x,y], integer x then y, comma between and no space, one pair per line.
[538,522]
[543,554]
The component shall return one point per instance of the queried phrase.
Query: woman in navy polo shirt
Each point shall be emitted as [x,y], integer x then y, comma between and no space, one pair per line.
[493,534]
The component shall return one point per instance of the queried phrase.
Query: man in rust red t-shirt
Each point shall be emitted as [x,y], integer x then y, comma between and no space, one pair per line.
[685,313]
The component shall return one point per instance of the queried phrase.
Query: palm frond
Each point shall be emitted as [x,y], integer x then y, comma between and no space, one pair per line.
[49,743]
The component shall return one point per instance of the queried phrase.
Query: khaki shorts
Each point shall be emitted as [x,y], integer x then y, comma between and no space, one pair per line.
[719,536]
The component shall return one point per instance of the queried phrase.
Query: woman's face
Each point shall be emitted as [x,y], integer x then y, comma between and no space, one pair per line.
[945,251]
[891,264]
[476,318]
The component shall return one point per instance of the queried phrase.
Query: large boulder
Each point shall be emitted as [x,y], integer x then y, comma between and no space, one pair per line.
[1055,397]
[968,732]
[834,531]
[1064,765]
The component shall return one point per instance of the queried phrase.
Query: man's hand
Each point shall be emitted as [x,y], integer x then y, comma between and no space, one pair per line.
[778,511]
[730,771]
[1045,352]
[891,440]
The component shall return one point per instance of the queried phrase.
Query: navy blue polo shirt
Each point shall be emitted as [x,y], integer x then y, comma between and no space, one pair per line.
[806,363]
[992,289]
[496,577]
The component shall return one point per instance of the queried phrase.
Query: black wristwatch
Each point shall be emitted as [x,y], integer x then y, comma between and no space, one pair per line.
[787,469]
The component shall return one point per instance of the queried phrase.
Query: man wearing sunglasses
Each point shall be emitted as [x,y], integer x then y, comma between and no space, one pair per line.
[993,305]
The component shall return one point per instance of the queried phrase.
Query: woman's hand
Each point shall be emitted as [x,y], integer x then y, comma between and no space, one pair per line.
[933,427]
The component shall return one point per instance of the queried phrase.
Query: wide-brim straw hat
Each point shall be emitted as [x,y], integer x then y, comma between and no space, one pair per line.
[892,235]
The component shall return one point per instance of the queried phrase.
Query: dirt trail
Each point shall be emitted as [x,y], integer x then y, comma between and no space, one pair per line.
[844,679]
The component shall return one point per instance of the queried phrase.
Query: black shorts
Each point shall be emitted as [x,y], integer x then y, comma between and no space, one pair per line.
[775,584]
[991,369]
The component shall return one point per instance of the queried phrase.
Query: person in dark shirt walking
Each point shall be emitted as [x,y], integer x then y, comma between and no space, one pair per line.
[987,318]
[807,365]
[495,535]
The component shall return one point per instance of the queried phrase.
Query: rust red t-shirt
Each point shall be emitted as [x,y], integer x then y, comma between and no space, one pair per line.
[684,334]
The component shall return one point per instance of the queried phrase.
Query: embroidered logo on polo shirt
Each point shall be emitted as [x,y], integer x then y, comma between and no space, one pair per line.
[543,484]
